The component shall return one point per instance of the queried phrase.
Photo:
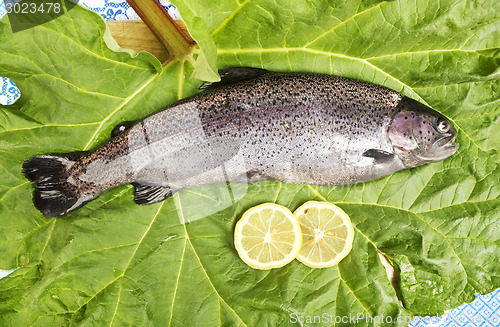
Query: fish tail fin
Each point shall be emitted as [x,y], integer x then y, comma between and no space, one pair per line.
[54,195]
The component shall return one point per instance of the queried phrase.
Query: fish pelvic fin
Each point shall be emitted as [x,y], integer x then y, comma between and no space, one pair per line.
[54,194]
[148,194]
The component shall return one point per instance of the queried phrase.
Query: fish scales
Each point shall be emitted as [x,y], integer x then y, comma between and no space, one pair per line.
[290,127]
[286,124]
[304,123]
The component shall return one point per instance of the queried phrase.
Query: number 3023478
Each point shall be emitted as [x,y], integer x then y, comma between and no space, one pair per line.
[33,8]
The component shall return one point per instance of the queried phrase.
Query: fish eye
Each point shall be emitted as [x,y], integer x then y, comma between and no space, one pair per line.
[443,126]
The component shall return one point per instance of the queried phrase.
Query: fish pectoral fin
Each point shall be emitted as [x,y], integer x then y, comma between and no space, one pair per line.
[380,156]
[147,194]
[121,127]
[233,75]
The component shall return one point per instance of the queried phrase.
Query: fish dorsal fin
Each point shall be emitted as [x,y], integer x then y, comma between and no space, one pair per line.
[233,75]
[147,194]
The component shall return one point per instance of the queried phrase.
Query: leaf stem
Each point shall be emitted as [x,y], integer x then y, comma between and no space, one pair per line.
[178,43]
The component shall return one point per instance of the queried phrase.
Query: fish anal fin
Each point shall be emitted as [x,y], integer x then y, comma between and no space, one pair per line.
[380,156]
[232,75]
[147,194]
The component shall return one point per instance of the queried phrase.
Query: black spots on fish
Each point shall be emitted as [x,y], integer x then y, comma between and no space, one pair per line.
[212,107]
[307,105]
[145,133]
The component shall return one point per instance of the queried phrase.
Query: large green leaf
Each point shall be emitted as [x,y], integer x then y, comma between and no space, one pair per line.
[115,263]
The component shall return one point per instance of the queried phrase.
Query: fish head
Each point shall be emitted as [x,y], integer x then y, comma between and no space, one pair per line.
[421,135]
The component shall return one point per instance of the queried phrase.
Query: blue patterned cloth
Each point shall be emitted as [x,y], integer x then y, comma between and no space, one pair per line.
[120,10]
[108,9]
[483,312]
[9,92]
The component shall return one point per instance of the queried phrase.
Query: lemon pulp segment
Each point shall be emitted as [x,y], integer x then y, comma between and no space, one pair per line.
[327,234]
[267,236]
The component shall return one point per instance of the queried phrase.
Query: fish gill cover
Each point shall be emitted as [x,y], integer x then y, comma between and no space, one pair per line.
[117,263]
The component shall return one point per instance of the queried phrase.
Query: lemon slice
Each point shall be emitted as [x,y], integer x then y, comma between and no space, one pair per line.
[327,234]
[267,236]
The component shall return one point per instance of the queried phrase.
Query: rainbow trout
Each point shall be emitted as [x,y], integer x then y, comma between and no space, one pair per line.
[254,125]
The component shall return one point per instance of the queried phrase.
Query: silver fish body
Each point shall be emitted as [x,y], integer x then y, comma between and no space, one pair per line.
[289,127]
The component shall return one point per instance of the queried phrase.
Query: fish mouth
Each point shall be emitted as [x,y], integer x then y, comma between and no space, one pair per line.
[445,141]
[442,148]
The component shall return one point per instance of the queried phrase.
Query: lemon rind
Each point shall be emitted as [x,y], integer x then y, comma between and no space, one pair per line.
[347,222]
[272,264]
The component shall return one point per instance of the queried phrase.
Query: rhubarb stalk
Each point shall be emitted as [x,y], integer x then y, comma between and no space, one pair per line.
[177,42]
